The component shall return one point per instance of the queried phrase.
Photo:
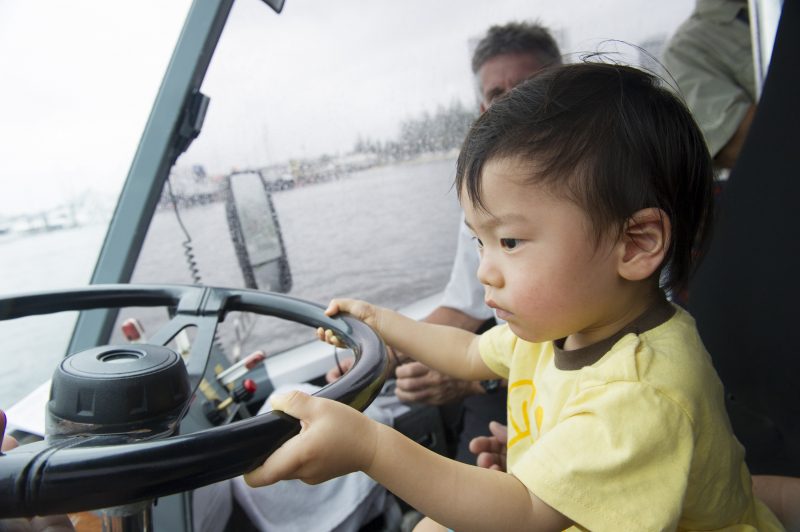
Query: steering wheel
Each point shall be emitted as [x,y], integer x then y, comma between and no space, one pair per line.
[90,471]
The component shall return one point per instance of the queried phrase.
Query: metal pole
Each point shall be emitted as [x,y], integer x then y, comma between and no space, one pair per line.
[137,517]
[764,18]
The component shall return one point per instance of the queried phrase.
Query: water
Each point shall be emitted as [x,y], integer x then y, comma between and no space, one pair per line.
[31,347]
[387,235]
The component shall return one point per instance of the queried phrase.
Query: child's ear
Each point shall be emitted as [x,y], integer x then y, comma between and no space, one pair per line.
[645,241]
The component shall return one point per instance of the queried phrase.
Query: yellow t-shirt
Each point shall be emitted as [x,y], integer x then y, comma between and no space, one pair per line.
[628,434]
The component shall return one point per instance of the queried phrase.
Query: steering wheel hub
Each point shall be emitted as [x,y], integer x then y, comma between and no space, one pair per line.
[118,388]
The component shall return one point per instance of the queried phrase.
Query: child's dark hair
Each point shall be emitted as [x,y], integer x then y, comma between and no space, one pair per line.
[612,140]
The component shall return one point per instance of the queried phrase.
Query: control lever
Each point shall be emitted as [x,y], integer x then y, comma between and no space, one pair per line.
[133,331]
[215,412]
[240,369]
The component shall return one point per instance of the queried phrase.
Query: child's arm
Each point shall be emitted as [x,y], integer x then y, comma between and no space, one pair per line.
[446,349]
[335,440]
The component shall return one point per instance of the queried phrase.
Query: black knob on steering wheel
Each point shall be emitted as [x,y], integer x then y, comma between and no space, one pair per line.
[90,471]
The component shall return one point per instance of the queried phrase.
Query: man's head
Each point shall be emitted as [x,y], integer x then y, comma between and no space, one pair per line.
[608,138]
[508,55]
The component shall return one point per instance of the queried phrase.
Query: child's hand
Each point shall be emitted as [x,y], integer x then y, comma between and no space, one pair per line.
[361,310]
[334,440]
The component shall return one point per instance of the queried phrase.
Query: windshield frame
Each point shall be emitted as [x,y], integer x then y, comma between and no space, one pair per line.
[171,126]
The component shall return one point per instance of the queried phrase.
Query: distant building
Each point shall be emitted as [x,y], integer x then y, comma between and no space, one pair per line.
[191,185]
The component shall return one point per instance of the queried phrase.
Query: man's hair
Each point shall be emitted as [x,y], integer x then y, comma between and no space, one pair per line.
[609,138]
[514,38]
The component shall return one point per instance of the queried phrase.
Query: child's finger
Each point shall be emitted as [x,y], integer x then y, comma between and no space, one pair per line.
[328,336]
[283,464]
[332,339]
[333,308]
[293,403]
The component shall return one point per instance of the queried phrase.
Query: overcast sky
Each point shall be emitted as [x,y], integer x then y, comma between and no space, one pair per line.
[79,77]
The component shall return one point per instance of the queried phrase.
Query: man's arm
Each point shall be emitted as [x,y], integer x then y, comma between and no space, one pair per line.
[710,77]
[782,496]
[727,156]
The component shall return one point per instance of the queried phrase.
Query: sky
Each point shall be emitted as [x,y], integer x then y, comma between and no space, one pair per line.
[79,78]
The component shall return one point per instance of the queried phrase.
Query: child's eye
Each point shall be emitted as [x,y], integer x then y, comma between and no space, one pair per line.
[477,242]
[509,243]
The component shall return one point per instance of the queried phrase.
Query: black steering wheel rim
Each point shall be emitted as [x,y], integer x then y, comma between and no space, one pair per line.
[90,472]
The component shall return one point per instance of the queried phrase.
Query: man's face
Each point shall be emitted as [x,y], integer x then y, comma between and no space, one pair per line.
[503,72]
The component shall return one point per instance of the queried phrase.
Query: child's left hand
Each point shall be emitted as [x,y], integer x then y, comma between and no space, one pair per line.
[334,440]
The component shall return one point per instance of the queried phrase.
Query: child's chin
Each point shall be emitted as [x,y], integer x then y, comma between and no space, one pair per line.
[524,334]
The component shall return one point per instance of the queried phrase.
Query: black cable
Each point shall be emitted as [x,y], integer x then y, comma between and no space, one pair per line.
[188,251]
[336,358]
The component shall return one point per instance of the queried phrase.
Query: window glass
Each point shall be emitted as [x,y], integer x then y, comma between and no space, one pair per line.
[352,113]
[79,79]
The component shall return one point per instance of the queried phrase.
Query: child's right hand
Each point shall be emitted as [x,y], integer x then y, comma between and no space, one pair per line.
[334,440]
[366,312]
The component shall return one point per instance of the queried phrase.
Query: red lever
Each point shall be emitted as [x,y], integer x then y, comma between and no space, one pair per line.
[133,330]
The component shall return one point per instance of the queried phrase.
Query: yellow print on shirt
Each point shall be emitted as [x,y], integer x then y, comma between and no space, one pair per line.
[521,394]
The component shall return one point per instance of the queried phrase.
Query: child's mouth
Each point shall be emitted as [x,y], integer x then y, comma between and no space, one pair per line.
[503,314]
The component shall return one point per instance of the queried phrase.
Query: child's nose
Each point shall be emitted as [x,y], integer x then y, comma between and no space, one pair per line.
[488,272]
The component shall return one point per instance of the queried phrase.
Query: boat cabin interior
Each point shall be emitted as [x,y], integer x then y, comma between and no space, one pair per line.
[188,185]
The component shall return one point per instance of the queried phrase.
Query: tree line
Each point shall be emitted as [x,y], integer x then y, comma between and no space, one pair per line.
[442,130]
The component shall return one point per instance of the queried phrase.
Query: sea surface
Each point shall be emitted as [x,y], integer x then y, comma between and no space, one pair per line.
[387,234]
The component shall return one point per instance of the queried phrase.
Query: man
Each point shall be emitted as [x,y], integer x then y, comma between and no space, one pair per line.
[507,55]
[711,60]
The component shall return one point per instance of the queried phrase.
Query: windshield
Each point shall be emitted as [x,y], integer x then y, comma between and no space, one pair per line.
[79,81]
[351,113]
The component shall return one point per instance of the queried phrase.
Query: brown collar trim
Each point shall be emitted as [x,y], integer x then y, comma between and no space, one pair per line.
[576,359]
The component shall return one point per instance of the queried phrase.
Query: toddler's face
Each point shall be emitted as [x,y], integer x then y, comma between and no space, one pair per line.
[540,264]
